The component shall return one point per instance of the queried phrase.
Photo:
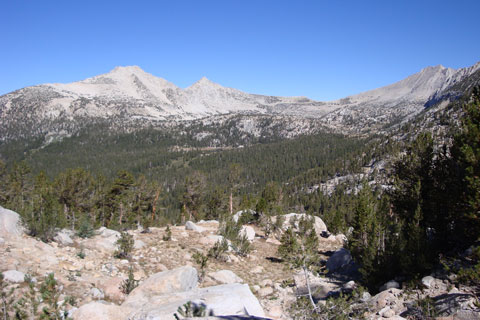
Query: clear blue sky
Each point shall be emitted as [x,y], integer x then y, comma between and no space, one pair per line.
[320,49]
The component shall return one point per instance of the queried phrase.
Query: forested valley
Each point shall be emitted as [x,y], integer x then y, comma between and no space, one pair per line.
[404,218]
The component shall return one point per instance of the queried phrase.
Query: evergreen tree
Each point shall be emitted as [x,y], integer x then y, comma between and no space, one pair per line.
[19,188]
[3,183]
[466,153]
[193,196]
[45,214]
[75,189]
[299,249]
[215,204]
[413,203]
[119,199]
[233,180]
[368,241]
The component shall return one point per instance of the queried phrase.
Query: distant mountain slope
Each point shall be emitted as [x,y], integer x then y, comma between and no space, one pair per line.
[378,109]
[128,96]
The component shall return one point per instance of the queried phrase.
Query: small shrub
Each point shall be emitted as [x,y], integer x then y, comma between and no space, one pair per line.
[130,283]
[168,234]
[27,306]
[125,246]
[342,307]
[81,254]
[191,310]
[288,283]
[270,226]
[6,298]
[71,276]
[71,300]
[50,295]
[242,246]
[248,216]
[423,309]
[85,230]
[229,229]
[202,261]
[219,250]
[470,275]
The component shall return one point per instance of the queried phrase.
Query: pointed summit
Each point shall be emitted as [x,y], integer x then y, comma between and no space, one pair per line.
[205,82]
[127,70]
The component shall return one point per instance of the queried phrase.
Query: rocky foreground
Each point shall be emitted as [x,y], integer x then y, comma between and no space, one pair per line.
[254,286]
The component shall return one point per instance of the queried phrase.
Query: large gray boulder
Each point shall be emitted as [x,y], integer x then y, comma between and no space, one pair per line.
[107,233]
[192,226]
[225,277]
[318,223]
[10,224]
[340,262]
[321,287]
[223,300]
[248,232]
[63,237]
[104,241]
[172,281]
[211,239]
[160,296]
[392,284]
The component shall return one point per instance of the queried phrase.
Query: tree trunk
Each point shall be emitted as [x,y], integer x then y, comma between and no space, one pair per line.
[305,271]
[231,203]
[73,219]
[120,217]
[155,205]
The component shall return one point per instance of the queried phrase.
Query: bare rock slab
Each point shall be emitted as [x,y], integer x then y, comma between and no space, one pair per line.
[225,277]
[224,300]
[10,224]
[172,281]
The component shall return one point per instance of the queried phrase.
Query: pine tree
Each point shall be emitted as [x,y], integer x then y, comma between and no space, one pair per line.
[119,198]
[75,189]
[466,152]
[19,182]
[233,181]
[367,243]
[3,183]
[194,192]
[299,249]
[45,213]
[124,246]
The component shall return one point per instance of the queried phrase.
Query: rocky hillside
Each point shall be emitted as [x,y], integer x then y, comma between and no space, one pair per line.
[130,97]
[89,278]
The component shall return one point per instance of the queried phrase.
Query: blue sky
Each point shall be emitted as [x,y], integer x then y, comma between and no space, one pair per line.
[320,49]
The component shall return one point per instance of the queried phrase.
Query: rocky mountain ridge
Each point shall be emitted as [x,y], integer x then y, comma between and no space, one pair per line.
[128,96]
